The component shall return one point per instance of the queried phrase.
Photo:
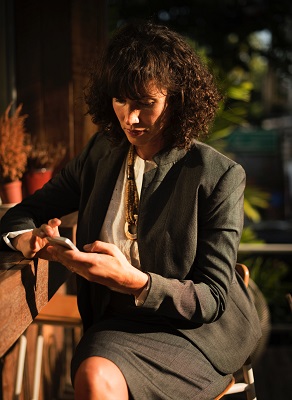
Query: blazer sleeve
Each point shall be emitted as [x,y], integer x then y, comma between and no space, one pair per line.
[202,295]
[59,197]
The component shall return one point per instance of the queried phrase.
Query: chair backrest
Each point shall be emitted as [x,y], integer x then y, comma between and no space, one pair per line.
[243,272]
[247,385]
[289,299]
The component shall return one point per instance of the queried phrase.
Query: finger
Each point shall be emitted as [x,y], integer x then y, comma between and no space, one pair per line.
[40,232]
[101,247]
[43,231]
[54,222]
[49,229]
[36,243]
[61,255]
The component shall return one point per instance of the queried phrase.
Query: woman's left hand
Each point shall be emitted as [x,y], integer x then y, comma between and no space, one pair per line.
[103,263]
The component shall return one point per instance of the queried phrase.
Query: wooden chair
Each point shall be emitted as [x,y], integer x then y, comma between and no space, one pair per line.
[289,299]
[247,386]
[62,311]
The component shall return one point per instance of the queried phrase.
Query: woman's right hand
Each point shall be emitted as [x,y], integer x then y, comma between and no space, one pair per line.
[34,242]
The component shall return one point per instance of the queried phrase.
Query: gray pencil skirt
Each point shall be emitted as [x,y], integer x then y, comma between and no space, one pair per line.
[157,362]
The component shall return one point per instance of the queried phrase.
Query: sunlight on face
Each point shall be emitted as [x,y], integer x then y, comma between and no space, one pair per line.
[143,120]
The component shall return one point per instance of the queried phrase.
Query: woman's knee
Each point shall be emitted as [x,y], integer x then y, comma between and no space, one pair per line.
[100,378]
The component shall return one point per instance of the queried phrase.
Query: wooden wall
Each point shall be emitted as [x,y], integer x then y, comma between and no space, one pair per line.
[55,42]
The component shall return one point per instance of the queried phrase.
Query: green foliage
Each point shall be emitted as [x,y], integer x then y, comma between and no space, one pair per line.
[242,36]
[233,113]
[254,200]
[271,276]
[233,32]
[240,92]
[249,236]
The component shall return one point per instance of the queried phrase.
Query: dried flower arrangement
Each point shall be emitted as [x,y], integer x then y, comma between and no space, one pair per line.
[44,155]
[14,145]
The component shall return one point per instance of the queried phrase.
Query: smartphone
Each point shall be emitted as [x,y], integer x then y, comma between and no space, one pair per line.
[62,241]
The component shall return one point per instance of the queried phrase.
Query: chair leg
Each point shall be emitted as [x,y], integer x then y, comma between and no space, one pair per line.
[232,382]
[38,363]
[20,366]
[249,379]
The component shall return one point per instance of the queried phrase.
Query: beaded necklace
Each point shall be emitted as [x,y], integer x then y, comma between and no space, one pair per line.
[131,198]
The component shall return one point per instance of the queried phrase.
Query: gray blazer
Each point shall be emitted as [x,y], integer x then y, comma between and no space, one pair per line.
[190,224]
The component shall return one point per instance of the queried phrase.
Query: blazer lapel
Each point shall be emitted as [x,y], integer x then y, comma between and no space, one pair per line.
[106,175]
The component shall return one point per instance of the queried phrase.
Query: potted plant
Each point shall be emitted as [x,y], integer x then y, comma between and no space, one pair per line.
[14,149]
[42,160]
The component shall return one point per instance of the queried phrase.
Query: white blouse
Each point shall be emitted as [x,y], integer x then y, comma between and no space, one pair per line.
[113,229]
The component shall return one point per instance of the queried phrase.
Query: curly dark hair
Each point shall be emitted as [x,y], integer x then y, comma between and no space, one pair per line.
[144,52]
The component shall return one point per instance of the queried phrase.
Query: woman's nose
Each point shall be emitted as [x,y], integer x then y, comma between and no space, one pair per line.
[132,117]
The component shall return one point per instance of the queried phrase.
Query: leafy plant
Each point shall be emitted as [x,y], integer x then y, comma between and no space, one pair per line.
[254,200]
[271,274]
[14,145]
[44,155]
[249,236]
[232,114]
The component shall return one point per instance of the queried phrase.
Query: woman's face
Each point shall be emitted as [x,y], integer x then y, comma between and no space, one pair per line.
[144,120]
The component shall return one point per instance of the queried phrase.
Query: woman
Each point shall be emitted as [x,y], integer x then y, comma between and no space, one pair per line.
[159,224]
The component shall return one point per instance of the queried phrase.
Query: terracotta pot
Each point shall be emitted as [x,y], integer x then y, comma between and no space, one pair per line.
[11,192]
[35,180]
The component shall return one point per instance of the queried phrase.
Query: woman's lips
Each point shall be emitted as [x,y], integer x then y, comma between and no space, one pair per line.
[135,132]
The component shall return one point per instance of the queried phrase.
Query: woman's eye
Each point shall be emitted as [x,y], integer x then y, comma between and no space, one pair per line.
[146,103]
[119,100]
[138,103]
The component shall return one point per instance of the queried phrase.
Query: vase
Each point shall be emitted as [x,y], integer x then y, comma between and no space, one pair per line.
[11,192]
[36,179]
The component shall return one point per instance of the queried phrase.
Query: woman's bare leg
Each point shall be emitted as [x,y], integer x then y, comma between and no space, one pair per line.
[98,378]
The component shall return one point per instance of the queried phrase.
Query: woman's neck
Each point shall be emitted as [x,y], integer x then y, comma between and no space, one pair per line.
[147,152]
